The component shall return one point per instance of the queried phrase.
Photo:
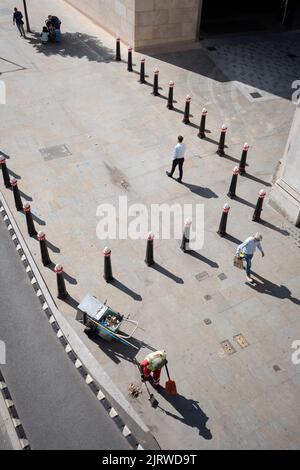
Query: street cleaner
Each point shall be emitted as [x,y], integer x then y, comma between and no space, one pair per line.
[152,364]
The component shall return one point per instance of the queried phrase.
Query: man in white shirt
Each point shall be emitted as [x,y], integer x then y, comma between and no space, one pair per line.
[178,159]
[247,249]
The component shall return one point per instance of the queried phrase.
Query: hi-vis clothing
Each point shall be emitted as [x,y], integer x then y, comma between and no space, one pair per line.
[155,360]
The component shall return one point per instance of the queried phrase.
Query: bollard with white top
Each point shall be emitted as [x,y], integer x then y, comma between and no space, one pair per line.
[129,63]
[221,147]
[170,104]
[29,220]
[44,249]
[155,83]
[202,126]
[108,276]
[223,223]
[242,166]
[186,117]
[17,196]
[258,209]
[232,189]
[149,260]
[142,72]
[6,178]
[118,49]
[61,285]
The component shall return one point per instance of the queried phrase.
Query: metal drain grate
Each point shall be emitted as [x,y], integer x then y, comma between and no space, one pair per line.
[53,153]
[201,276]
[241,341]
[222,276]
[228,348]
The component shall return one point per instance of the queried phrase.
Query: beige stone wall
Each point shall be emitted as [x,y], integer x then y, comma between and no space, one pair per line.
[165,21]
[116,16]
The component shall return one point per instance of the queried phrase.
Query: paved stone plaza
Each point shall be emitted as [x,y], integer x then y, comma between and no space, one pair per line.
[117,141]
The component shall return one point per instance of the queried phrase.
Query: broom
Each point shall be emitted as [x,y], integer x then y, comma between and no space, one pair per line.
[170,384]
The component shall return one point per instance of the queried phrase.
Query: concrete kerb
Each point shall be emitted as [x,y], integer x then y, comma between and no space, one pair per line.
[119,409]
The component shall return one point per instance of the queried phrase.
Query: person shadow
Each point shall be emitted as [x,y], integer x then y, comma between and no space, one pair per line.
[189,413]
[265,286]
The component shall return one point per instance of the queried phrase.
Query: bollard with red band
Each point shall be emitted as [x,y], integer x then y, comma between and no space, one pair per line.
[155,83]
[44,249]
[221,147]
[149,260]
[118,49]
[29,220]
[186,117]
[243,161]
[171,95]
[6,178]
[202,126]
[223,223]
[17,196]
[129,63]
[258,209]
[142,72]
[186,235]
[232,189]
[108,276]
[61,285]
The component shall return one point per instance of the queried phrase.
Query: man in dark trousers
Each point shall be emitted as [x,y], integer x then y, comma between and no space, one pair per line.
[18,20]
[178,159]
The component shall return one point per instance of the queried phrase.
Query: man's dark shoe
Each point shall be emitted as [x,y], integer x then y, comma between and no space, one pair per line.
[169,174]
[179,180]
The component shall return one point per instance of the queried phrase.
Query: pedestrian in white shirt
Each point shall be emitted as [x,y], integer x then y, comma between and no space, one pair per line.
[247,249]
[178,159]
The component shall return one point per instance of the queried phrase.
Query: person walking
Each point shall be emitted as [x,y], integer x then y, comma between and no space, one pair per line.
[247,249]
[152,364]
[18,20]
[178,159]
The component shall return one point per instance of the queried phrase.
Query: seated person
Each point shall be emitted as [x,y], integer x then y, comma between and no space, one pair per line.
[45,35]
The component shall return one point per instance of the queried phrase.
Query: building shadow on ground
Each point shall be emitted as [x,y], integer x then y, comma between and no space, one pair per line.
[188,413]
[78,45]
[264,286]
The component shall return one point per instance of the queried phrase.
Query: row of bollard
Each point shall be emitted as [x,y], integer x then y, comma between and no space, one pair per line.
[32,232]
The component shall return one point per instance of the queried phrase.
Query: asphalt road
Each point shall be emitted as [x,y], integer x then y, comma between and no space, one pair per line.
[57,409]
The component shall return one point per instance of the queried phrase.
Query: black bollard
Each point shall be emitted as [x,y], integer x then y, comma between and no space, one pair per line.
[142,72]
[186,235]
[129,64]
[220,150]
[202,127]
[118,50]
[232,190]
[243,161]
[155,84]
[108,276]
[44,249]
[17,196]
[223,223]
[6,178]
[150,250]
[186,117]
[61,285]
[171,95]
[259,205]
[30,225]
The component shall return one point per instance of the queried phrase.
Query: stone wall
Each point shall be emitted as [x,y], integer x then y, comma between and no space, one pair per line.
[160,22]
[116,16]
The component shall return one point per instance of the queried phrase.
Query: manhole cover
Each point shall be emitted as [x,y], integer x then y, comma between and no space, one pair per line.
[207,321]
[241,341]
[228,348]
[255,94]
[222,276]
[53,153]
[201,276]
